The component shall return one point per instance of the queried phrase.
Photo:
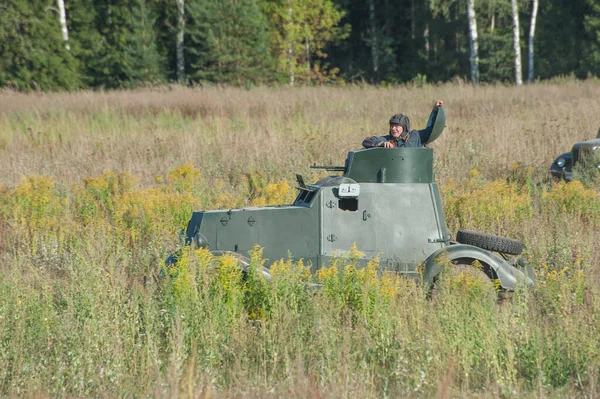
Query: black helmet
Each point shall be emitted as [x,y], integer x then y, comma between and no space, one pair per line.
[402,120]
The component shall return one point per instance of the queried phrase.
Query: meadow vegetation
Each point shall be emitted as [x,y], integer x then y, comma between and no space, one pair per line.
[96,185]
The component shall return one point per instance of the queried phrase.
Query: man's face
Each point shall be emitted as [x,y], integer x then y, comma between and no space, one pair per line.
[396,131]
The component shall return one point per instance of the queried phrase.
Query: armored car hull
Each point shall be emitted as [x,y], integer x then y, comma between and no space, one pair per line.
[386,204]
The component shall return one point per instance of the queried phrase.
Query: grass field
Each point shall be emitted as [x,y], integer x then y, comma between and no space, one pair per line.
[95,186]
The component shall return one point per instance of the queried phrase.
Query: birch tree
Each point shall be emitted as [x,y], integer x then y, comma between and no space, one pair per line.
[33,52]
[516,43]
[531,37]
[474,54]
[180,47]
[63,22]
[373,35]
[290,36]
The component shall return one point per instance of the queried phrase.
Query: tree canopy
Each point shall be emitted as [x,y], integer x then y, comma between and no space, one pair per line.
[129,43]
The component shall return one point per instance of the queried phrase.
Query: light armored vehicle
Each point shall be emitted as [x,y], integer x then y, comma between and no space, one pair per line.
[385,202]
[564,164]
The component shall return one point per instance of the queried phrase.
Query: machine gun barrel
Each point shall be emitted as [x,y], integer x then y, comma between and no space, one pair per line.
[330,168]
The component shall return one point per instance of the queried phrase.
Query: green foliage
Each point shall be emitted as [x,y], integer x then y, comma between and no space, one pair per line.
[592,45]
[126,55]
[501,205]
[85,39]
[132,43]
[33,53]
[300,31]
[226,42]
[587,169]
[496,57]
[102,327]
[561,51]
[140,51]
[165,29]
[574,199]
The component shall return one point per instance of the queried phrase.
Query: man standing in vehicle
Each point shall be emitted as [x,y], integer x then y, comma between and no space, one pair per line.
[400,134]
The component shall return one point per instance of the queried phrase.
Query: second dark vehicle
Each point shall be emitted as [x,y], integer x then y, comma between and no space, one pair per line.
[564,164]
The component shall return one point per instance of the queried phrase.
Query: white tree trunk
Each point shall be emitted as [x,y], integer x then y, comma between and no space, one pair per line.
[474,56]
[426,40]
[531,36]
[291,60]
[180,31]
[516,44]
[373,26]
[413,24]
[493,19]
[63,22]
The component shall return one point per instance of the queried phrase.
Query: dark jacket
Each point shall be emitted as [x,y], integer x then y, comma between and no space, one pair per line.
[416,138]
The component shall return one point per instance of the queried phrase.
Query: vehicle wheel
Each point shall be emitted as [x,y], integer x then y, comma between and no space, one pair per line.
[490,242]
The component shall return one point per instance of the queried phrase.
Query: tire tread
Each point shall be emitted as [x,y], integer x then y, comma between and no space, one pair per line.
[490,242]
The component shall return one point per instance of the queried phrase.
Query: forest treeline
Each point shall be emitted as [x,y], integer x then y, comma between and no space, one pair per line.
[70,44]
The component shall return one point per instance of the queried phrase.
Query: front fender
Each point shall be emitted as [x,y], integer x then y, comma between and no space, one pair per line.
[564,172]
[508,275]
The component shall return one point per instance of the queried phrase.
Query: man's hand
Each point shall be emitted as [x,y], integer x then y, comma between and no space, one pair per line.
[388,144]
[438,104]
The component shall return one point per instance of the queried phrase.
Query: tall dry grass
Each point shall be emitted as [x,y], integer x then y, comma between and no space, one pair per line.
[226,131]
[94,187]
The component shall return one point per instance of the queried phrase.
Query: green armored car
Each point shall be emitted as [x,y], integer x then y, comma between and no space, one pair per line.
[385,202]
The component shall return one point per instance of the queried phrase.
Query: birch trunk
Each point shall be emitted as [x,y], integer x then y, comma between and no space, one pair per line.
[474,57]
[516,44]
[413,27]
[531,36]
[426,40]
[63,22]
[180,31]
[373,26]
[291,43]
[493,19]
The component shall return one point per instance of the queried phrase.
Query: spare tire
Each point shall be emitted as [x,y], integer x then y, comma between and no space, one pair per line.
[490,242]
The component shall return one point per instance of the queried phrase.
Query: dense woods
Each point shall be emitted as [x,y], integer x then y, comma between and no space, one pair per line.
[69,44]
